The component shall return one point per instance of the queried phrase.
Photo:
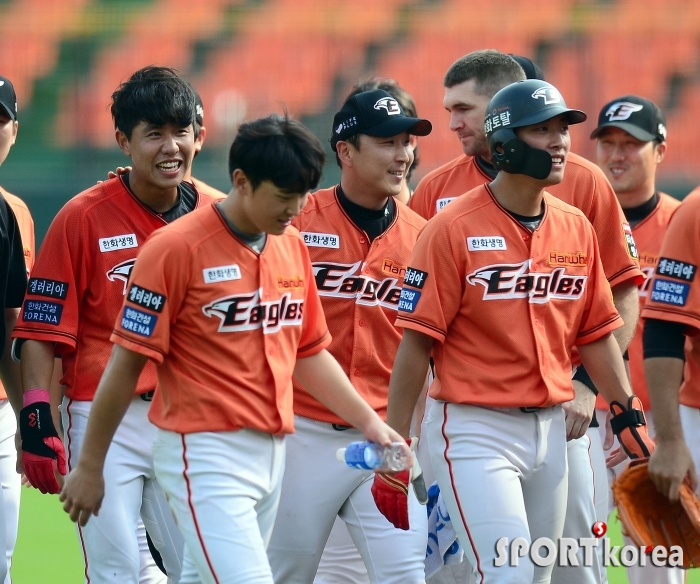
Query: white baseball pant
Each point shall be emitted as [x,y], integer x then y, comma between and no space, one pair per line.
[648,574]
[223,488]
[11,487]
[317,488]
[112,549]
[341,563]
[502,473]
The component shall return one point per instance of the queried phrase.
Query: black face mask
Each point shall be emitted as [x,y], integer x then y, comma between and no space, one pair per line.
[518,157]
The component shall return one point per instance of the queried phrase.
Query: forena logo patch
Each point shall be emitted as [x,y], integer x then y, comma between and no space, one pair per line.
[622,110]
[389,104]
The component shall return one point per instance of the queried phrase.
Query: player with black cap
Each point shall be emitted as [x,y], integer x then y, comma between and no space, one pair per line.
[501,313]
[360,240]
[631,142]
[13,283]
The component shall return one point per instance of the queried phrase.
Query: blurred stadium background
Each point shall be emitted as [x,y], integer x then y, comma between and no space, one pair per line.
[250,57]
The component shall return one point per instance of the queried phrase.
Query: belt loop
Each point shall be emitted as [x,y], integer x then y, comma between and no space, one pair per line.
[148,396]
[340,427]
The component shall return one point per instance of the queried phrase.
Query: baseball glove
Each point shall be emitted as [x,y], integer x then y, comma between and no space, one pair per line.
[651,519]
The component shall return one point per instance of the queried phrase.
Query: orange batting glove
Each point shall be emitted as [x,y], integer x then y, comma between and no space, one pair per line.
[630,427]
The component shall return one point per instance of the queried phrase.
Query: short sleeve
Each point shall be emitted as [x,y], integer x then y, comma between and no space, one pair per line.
[314,330]
[433,285]
[52,304]
[618,252]
[674,293]
[600,315]
[156,291]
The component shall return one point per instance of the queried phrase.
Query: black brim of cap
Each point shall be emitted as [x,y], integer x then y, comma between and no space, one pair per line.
[574,116]
[398,125]
[8,111]
[631,129]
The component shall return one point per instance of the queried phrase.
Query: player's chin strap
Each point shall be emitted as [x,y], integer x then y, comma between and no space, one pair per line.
[417,479]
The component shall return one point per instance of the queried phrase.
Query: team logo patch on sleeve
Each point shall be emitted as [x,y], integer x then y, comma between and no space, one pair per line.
[46,312]
[486,243]
[667,292]
[321,239]
[414,278]
[631,245]
[49,288]
[138,322]
[221,274]
[676,269]
[146,299]
[117,242]
[409,300]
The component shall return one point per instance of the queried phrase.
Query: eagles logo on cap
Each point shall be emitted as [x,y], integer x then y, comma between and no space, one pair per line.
[622,110]
[548,94]
[389,104]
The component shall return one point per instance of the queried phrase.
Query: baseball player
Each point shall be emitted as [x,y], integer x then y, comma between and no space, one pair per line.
[16,254]
[501,286]
[340,562]
[360,240]
[631,142]
[224,301]
[671,314]
[469,84]
[75,293]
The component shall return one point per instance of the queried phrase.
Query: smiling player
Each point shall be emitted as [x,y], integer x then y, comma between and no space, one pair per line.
[77,287]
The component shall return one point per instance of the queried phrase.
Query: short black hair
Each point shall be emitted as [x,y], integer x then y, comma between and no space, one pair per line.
[280,150]
[404,98]
[155,95]
[491,69]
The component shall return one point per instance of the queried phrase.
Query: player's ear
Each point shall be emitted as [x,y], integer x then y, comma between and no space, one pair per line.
[241,182]
[199,141]
[123,142]
[15,127]
[660,152]
[345,152]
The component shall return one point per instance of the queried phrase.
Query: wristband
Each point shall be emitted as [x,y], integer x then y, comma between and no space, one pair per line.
[34,395]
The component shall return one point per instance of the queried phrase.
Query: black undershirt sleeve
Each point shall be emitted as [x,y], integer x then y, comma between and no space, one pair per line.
[663,338]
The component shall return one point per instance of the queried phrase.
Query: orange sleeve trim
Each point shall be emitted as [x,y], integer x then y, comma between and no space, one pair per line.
[421,327]
[136,347]
[597,332]
[671,316]
[315,347]
[623,276]
[65,339]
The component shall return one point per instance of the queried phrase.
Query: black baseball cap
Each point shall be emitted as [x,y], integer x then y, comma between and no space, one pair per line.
[532,70]
[375,113]
[636,115]
[8,99]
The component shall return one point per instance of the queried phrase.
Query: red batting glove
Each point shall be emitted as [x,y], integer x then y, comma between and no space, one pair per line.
[630,427]
[42,449]
[390,492]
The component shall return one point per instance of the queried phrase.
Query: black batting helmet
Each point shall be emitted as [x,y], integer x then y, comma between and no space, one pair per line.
[517,105]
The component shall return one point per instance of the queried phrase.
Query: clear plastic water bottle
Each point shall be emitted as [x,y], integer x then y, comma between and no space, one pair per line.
[373,456]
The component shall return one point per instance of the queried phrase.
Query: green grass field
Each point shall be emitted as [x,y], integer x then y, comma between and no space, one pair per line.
[47,549]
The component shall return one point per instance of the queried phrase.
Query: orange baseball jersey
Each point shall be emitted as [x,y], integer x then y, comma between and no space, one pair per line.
[674,294]
[26,230]
[506,305]
[224,324]
[584,186]
[26,227]
[208,190]
[648,235]
[80,277]
[360,284]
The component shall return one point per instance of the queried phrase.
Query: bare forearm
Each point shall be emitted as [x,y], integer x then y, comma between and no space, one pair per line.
[407,379]
[37,364]
[112,399]
[626,298]
[664,376]
[324,379]
[9,369]
[603,361]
